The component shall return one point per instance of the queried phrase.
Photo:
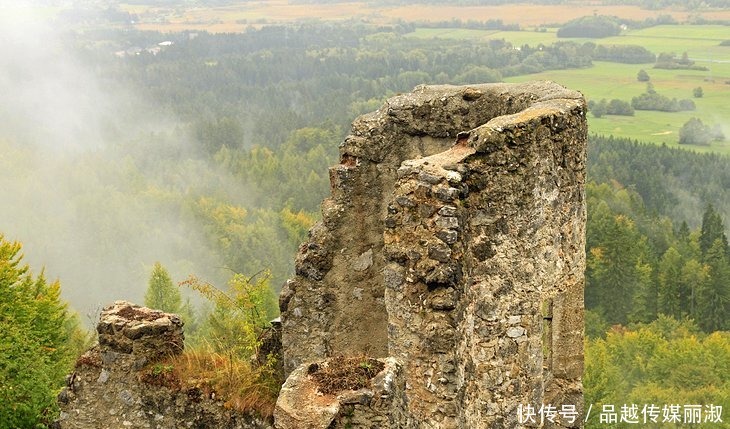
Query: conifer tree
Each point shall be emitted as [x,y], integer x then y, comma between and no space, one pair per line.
[161,293]
[34,357]
[714,296]
[616,272]
[692,278]
[683,232]
[670,286]
[712,229]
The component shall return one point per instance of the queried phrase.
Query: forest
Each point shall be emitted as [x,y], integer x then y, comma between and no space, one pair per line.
[176,169]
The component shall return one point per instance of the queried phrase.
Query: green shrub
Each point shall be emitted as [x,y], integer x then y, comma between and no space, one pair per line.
[34,342]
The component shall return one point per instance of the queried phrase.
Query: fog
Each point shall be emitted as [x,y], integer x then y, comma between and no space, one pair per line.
[93,199]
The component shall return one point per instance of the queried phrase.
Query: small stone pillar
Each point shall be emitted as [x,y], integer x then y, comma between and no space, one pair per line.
[111,385]
[146,333]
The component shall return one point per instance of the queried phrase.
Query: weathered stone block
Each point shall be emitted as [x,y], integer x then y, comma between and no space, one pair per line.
[302,403]
[150,334]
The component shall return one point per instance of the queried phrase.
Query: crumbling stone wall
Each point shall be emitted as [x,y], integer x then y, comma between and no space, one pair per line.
[454,242]
[335,303]
[116,386]
[484,244]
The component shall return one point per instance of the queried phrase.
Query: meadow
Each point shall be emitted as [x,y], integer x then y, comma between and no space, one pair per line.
[615,80]
[612,80]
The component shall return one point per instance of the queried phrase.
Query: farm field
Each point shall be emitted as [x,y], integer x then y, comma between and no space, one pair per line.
[517,38]
[238,17]
[611,80]
[701,42]
[614,80]
[696,39]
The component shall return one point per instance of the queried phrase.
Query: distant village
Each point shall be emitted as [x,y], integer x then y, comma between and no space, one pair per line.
[137,50]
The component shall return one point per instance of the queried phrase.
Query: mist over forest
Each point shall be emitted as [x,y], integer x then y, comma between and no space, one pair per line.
[79,189]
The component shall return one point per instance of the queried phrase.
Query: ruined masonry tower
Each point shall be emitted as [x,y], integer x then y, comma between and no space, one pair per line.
[452,244]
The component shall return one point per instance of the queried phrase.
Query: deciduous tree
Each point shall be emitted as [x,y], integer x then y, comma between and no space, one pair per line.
[694,132]
[239,313]
[643,76]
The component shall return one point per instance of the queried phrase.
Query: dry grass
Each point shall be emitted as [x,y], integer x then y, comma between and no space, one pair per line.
[344,373]
[203,373]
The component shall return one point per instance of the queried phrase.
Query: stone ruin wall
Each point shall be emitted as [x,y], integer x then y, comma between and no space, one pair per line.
[453,242]
[114,384]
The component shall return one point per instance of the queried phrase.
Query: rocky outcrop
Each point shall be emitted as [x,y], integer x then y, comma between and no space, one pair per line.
[124,383]
[453,242]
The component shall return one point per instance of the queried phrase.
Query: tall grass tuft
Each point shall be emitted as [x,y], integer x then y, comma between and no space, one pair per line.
[243,386]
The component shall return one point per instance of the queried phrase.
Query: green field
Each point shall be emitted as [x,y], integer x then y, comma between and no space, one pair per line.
[699,41]
[614,80]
